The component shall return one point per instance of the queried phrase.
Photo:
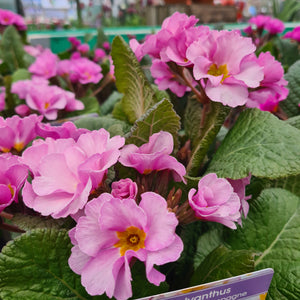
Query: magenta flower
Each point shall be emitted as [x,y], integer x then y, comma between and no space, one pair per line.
[45,65]
[16,132]
[106,46]
[260,21]
[12,177]
[215,201]
[75,55]
[113,233]
[22,110]
[66,130]
[65,172]
[274,26]
[74,41]
[2,98]
[227,61]
[164,78]
[99,54]
[272,88]
[294,34]
[8,17]
[85,71]
[83,48]
[124,188]
[153,156]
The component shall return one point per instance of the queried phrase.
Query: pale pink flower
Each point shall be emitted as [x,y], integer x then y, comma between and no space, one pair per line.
[83,48]
[113,233]
[34,51]
[153,156]
[66,171]
[64,67]
[64,131]
[85,71]
[272,88]
[2,98]
[124,188]
[16,132]
[165,79]
[294,34]
[12,177]
[216,201]
[227,61]
[45,64]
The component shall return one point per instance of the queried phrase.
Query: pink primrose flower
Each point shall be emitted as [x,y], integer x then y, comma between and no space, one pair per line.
[2,98]
[259,21]
[113,233]
[99,54]
[74,41]
[22,110]
[124,188]
[33,51]
[274,26]
[153,156]
[12,177]
[227,61]
[66,130]
[72,103]
[272,88]
[75,55]
[8,17]
[294,34]
[64,67]
[106,46]
[45,64]
[65,172]
[85,71]
[16,132]
[164,78]
[216,201]
[83,48]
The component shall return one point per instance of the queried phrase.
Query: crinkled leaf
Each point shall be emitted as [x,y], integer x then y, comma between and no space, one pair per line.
[160,94]
[21,74]
[12,49]
[119,113]
[290,104]
[131,81]
[35,266]
[223,263]
[294,121]
[288,52]
[160,117]
[106,122]
[108,106]
[215,117]
[272,230]
[259,144]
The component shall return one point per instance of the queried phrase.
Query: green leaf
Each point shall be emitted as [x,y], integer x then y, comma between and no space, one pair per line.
[290,104]
[259,144]
[21,74]
[101,38]
[35,266]
[106,122]
[272,230]
[108,106]
[215,117]
[12,49]
[131,81]
[294,121]
[118,112]
[223,263]
[160,117]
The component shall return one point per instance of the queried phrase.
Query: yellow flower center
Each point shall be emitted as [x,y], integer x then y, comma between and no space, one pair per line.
[147,171]
[218,71]
[47,104]
[11,189]
[132,238]
[5,150]
[19,146]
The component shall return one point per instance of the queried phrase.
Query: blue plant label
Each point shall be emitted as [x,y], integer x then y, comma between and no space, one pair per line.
[250,286]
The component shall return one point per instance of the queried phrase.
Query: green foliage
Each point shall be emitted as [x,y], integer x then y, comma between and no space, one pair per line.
[35,266]
[101,38]
[160,117]
[223,263]
[208,130]
[259,144]
[12,49]
[21,74]
[290,105]
[272,231]
[131,81]
[287,11]
[109,104]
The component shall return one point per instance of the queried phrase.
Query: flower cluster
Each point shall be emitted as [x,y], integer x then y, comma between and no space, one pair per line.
[216,65]
[293,35]
[8,17]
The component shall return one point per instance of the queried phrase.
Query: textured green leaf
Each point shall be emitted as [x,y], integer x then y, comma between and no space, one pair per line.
[21,74]
[101,38]
[131,81]
[160,117]
[290,104]
[108,106]
[106,122]
[215,117]
[35,266]
[288,52]
[259,144]
[12,49]
[294,121]
[272,231]
[223,263]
